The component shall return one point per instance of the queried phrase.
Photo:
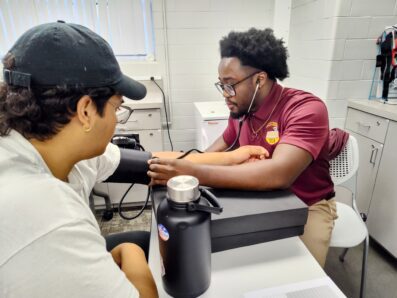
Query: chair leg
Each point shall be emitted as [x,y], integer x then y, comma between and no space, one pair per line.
[364,267]
[343,254]
[108,213]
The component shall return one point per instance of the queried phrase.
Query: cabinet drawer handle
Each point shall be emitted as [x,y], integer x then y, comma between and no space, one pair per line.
[212,122]
[374,153]
[368,126]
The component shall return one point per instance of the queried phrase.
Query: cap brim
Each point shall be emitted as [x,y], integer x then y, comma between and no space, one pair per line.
[130,88]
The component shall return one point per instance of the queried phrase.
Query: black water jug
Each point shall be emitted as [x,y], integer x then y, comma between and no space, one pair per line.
[183,222]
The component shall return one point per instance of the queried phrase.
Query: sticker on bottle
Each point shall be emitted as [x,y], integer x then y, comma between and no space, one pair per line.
[163,233]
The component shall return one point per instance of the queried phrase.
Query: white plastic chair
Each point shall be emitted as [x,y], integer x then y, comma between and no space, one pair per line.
[349,230]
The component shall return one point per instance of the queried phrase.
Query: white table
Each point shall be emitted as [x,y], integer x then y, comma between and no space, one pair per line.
[240,270]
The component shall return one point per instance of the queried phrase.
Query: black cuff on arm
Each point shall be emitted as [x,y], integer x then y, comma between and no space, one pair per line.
[132,168]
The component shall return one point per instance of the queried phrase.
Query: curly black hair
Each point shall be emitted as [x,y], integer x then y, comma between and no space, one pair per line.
[40,113]
[259,49]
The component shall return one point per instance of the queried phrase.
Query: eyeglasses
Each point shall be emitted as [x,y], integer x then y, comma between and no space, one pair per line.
[229,88]
[123,113]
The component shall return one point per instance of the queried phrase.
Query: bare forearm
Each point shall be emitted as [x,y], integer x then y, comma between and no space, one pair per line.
[240,155]
[135,267]
[278,172]
[143,281]
[211,158]
[251,176]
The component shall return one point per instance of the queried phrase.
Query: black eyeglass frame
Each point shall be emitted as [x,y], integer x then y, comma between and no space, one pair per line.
[130,111]
[229,88]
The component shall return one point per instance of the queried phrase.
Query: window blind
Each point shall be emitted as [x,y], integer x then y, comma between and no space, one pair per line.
[125,24]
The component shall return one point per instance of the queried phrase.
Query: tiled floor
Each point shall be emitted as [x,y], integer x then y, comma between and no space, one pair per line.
[381,274]
[118,224]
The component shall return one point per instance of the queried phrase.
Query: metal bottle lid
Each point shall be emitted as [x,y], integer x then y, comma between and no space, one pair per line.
[183,189]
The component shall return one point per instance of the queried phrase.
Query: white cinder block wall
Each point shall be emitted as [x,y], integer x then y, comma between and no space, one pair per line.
[332,48]
[331,45]
[191,38]
[194,29]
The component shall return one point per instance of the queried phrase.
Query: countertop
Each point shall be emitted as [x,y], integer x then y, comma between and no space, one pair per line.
[375,107]
[152,100]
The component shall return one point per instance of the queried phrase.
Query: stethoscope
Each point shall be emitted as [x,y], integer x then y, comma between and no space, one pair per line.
[243,118]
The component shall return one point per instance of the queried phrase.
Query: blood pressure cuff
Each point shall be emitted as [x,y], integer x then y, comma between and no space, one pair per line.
[133,167]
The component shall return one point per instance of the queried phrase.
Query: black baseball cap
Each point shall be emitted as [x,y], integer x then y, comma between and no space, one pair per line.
[69,55]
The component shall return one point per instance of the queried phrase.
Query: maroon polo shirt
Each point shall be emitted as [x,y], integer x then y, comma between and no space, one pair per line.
[301,119]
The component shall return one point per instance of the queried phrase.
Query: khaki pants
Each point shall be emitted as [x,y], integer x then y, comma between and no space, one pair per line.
[318,229]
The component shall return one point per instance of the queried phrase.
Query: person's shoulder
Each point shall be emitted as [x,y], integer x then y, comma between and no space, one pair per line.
[303,100]
[61,250]
[33,205]
[297,95]
[34,185]
[40,201]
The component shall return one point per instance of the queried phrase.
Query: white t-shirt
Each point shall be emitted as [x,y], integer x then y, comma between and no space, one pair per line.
[50,242]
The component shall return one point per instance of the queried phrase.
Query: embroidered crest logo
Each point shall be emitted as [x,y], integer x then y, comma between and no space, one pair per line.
[272,135]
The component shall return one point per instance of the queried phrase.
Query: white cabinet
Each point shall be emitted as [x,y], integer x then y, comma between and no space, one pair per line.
[374,124]
[365,128]
[382,222]
[368,125]
[370,153]
[141,119]
[211,121]
[145,122]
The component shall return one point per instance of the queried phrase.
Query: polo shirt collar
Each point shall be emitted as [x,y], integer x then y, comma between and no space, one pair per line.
[269,102]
